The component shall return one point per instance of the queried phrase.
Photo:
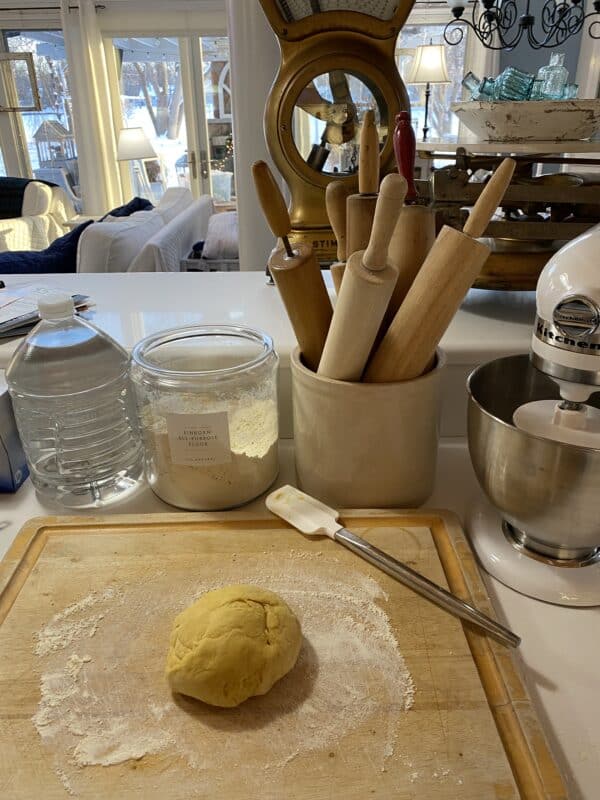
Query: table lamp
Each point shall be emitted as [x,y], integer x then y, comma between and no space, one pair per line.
[134,146]
[428,66]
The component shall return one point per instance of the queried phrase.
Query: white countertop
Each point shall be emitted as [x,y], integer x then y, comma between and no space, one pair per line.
[560,645]
[134,305]
[131,306]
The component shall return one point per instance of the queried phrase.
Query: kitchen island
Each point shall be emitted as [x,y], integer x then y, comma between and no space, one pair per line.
[559,650]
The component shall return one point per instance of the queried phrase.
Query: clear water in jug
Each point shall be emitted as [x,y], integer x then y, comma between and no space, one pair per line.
[75,411]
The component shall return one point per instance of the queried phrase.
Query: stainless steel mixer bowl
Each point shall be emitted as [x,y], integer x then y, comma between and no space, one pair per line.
[548,491]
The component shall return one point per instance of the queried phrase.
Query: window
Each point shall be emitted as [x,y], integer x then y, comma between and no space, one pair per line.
[443,124]
[217,98]
[166,84]
[49,135]
[152,99]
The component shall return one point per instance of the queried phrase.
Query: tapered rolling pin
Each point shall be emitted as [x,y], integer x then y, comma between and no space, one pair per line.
[361,207]
[368,284]
[295,272]
[414,233]
[449,270]
[336,195]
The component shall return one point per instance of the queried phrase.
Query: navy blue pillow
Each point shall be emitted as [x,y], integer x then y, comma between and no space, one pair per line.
[61,256]
[137,204]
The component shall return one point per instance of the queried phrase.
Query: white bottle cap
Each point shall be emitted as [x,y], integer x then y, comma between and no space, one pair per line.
[55,305]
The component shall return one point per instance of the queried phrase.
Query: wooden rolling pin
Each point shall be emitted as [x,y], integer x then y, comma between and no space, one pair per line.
[449,270]
[360,208]
[414,233]
[368,284]
[295,272]
[336,195]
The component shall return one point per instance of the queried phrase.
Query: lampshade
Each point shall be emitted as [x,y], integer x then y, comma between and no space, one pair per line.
[429,65]
[133,144]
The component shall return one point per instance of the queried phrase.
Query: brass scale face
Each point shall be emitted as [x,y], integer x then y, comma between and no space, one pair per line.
[298,9]
[337,61]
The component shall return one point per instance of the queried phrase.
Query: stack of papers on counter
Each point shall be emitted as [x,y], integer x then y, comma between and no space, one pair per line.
[18,308]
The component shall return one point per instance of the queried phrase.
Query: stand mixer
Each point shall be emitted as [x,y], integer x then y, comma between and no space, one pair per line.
[534,440]
[566,345]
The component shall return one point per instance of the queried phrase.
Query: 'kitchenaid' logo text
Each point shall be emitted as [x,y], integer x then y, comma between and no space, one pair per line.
[551,336]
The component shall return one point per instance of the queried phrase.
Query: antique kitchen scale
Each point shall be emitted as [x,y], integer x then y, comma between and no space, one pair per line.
[540,213]
[337,62]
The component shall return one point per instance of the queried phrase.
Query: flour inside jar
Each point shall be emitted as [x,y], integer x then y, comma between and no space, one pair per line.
[207,398]
[243,468]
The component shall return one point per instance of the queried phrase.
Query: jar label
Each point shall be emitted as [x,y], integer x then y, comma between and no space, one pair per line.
[199,440]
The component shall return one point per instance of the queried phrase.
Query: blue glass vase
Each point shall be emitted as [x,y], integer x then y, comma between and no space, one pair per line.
[571,91]
[555,77]
[513,84]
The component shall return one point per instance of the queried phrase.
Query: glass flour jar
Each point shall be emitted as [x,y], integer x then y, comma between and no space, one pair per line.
[207,402]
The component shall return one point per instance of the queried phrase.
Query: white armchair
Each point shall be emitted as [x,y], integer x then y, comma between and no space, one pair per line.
[60,176]
[40,223]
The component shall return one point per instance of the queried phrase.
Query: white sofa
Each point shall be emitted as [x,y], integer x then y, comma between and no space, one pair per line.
[115,245]
[165,250]
[44,211]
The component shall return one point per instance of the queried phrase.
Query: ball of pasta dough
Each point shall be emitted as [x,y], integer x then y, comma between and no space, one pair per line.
[231,644]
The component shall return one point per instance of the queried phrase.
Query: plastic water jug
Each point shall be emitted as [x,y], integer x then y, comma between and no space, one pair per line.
[75,410]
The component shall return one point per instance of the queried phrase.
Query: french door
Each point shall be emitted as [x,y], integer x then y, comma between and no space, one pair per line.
[177,90]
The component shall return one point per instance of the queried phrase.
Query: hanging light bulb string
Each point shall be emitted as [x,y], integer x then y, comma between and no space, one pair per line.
[502,24]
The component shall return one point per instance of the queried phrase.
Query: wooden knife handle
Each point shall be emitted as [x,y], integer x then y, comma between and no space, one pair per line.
[368,156]
[489,200]
[336,195]
[405,149]
[388,208]
[271,199]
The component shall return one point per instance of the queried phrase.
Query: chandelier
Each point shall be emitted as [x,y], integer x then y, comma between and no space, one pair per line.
[501,24]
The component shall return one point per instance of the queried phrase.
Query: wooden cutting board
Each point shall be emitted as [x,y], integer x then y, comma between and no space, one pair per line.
[390,698]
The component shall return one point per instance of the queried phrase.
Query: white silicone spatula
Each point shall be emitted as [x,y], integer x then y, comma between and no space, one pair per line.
[314,518]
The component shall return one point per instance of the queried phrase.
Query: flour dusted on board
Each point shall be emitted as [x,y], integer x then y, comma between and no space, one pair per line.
[104,700]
